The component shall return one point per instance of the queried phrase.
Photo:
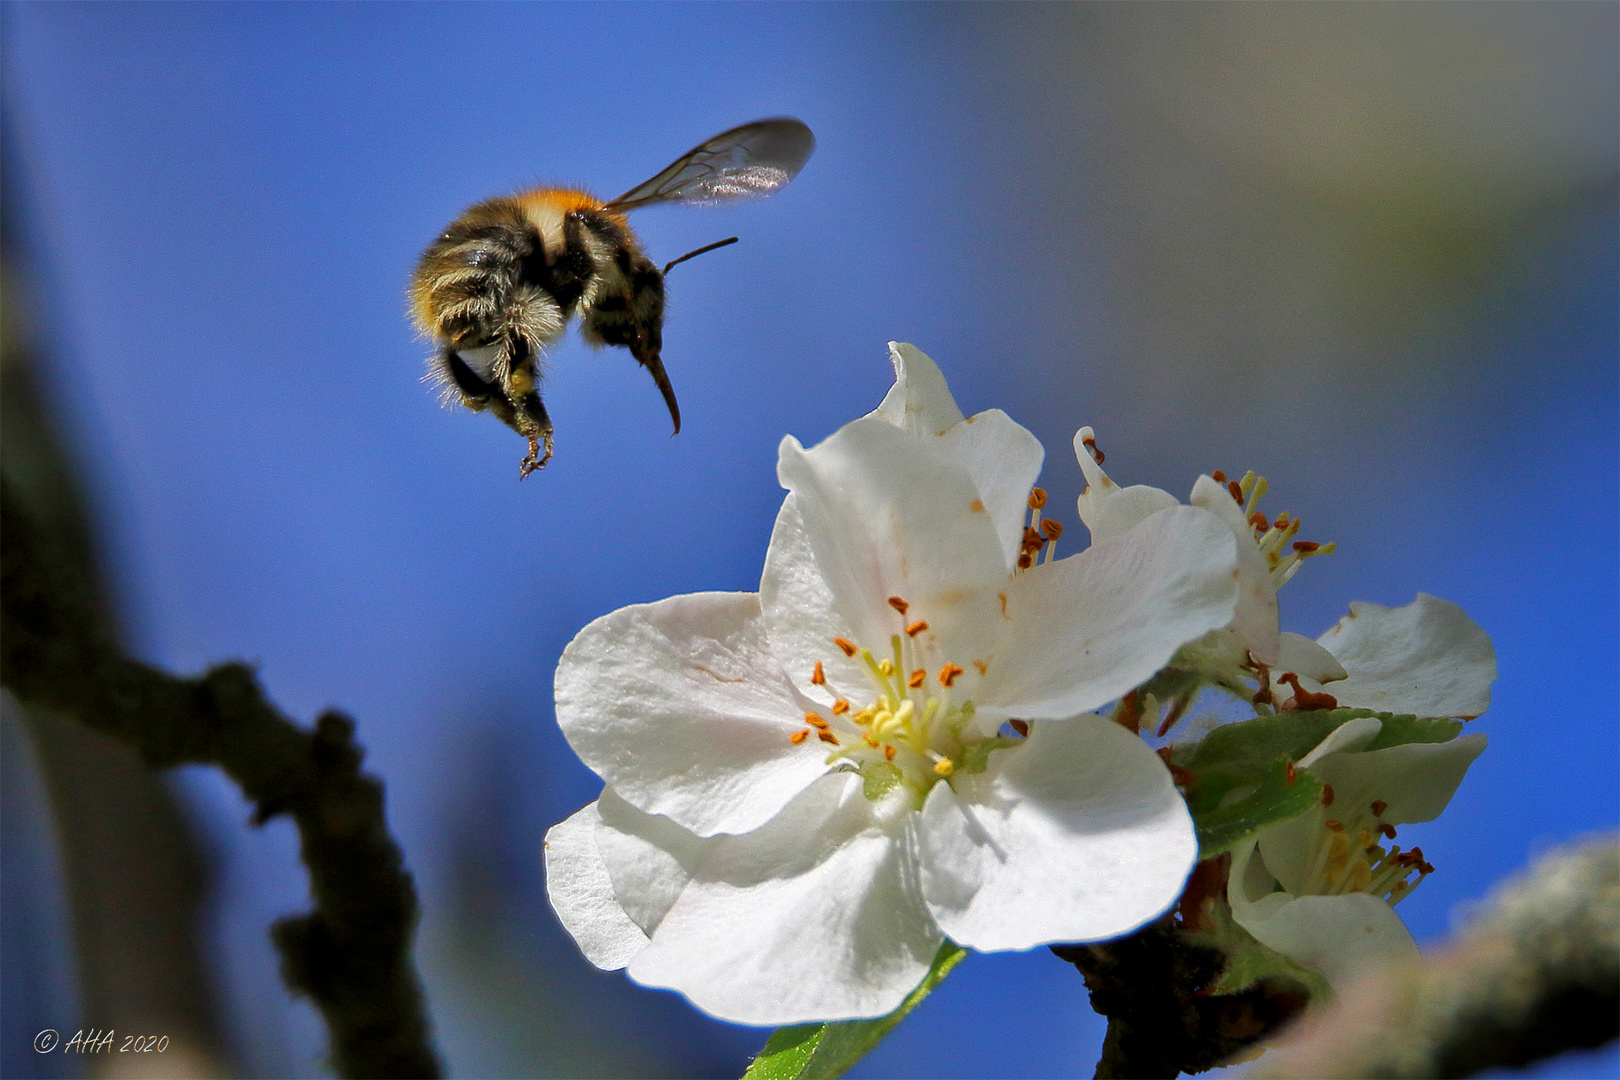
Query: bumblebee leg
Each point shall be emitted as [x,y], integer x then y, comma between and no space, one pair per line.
[533,422]
[475,392]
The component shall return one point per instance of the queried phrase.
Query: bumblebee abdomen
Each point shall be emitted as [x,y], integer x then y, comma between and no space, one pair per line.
[465,279]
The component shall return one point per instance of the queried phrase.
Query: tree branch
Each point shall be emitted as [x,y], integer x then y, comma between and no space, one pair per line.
[1162,1021]
[351,953]
[1536,973]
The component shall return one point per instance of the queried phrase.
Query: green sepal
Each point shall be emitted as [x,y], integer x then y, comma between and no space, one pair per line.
[1283,792]
[823,1051]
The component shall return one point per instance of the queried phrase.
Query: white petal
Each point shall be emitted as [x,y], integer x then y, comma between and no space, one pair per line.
[816,916]
[1078,835]
[1003,460]
[1256,617]
[581,894]
[802,616]
[681,707]
[884,517]
[1084,630]
[1427,658]
[1108,509]
[1347,738]
[1306,659]
[1332,935]
[919,403]
[1417,780]
[648,859]
[1001,456]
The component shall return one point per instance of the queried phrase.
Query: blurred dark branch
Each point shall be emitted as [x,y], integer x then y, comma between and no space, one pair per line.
[351,954]
[1153,986]
[1536,973]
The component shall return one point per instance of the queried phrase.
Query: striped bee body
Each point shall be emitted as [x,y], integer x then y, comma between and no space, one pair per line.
[500,284]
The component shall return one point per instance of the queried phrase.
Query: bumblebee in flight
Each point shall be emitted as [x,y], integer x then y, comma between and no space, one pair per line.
[498,286]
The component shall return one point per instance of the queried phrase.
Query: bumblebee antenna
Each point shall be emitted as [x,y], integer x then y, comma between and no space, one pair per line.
[700,251]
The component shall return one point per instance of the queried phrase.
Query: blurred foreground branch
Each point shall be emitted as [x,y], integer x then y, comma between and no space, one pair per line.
[351,954]
[1535,973]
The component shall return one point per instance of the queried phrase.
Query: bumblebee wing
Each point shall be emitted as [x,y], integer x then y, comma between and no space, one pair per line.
[745,162]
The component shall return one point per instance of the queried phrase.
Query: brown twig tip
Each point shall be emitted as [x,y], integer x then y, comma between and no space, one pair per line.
[351,955]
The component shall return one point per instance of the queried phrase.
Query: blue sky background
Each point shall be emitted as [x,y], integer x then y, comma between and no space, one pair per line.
[1369,252]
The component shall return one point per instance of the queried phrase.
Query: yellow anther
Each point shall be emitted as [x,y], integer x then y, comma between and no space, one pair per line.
[887,668]
[944,766]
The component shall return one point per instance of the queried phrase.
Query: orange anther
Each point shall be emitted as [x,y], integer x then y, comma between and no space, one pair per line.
[827,737]
[814,721]
[1258,520]
[1236,489]
[888,753]
[847,646]
[1025,562]
[1037,498]
[898,604]
[1334,826]
[1218,476]
[1304,699]
[818,677]
[870,741]
[1091,445]
[1387,829]
[1327,794]
[916,628]
[841,706]
[1290,772]
[1020,726]
[948,674]
[1378,807]
[1052,529]
[1305,547]
[799,736]
[983,666]
[916,678]
[1032,539]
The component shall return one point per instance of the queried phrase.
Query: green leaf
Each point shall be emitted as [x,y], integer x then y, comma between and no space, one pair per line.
[1400,730]
[823,1051]
[1236,755]
[1240,770]
[1276,799]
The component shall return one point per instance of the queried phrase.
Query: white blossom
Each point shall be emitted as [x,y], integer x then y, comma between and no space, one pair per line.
[808,788]
[1321,888]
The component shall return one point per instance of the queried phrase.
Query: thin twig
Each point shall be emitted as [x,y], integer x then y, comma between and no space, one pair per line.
[352,953]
